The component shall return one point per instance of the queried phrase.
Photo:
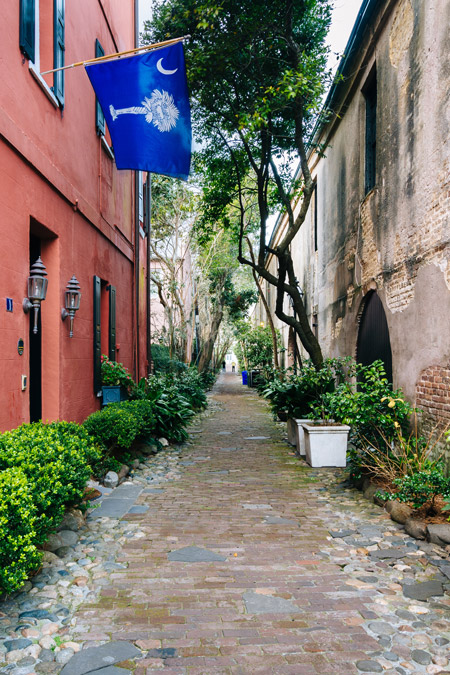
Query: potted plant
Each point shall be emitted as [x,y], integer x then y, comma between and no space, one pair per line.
[117,382]
[326,443]
[296,394]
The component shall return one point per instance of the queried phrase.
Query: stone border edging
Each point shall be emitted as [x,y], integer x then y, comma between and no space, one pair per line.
[435,533]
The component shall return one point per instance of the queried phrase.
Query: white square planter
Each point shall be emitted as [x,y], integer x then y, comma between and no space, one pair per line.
[326,445]
[292,431]
[296,435]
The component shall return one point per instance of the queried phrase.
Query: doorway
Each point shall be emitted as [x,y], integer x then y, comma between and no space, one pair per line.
[373,335]
[35,342]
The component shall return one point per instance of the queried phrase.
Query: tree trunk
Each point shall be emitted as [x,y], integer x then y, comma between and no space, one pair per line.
[268,312]
[208,347]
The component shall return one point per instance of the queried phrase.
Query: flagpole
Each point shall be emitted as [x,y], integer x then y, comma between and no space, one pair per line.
[117,54]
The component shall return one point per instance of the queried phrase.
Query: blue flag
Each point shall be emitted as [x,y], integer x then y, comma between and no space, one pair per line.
[145,102]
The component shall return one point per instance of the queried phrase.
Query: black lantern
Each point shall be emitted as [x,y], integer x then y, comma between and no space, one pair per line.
[37,290]
[72,298]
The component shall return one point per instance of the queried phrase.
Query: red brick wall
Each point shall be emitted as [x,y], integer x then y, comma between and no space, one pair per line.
[433,396]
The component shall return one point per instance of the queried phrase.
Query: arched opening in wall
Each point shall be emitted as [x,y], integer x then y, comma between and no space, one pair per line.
[373,335]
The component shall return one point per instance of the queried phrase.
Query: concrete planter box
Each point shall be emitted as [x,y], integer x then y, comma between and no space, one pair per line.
[296,434]
[326,445]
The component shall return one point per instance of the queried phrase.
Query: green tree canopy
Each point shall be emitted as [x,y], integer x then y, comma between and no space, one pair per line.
[256,72]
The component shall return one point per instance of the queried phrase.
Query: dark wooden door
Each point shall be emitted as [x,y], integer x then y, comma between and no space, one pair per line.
[35,382]
[373,335]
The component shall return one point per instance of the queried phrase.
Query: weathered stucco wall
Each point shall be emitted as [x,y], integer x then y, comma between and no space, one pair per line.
[395,239]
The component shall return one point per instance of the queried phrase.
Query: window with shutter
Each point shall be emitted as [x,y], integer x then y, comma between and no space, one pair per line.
[147,203]
[42,41]
[58,50]
[99,116]
[27,28]
[370,94]
[112,323]
[97,336]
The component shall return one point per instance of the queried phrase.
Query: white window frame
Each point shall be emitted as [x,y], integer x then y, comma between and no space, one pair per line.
[34,66]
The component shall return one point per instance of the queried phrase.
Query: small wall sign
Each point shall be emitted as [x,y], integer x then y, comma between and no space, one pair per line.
[20,346]
[9,304]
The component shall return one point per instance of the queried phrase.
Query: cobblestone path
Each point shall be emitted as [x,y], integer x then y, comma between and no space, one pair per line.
[236,572]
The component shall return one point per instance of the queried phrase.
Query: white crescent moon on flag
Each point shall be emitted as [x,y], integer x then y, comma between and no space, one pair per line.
[163,70]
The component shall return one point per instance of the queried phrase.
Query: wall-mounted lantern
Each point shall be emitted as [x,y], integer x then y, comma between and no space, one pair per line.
[37,290]
[72,298]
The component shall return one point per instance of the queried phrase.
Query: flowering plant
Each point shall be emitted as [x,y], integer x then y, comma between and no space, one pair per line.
[114,374]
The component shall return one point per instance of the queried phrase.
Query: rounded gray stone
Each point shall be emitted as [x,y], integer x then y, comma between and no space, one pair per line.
[47,667]
[369,492]
[399,512]
[381,628]
[46,655]
[20,643]
[73,520]
[26,662]
[421,656]
[53,542]
[369,666]
[416,528]
[441,641]
[404,614]
[68,537]
[439,533]
[64,655]
[390,656]
[111,479]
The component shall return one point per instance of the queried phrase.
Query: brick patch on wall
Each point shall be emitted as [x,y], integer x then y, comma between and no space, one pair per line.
[433,396]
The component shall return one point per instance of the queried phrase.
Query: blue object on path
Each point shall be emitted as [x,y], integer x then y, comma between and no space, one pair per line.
[244,377]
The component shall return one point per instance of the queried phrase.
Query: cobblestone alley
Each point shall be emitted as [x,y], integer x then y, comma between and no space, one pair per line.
[237,572]
[226,564]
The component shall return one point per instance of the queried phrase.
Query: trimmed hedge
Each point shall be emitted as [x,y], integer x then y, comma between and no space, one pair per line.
[18,553]
[113,426]
[55,459]
[163,407]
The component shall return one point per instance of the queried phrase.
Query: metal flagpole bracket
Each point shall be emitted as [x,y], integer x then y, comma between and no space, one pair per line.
[156,45]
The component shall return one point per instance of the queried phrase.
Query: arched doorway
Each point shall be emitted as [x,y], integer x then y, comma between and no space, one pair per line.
[373,335]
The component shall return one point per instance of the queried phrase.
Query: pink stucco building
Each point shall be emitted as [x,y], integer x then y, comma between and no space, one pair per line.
[62,198]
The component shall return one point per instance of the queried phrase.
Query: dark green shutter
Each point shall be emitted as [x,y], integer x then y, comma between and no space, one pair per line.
[112,322]
[97,335]
[99,116]
[58,49]
[27,28]
[147,204]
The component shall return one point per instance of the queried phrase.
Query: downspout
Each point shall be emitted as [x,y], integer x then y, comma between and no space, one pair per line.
[136,222]
[149,261]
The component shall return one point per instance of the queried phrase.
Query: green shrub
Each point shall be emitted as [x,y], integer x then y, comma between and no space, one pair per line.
[113,426]
[207,379]
[55,459]
[163,362]
[422,487]
[190,385]
[297,393]
[368,404]
[18,553]
[162,406]
[172,411]
[142,411]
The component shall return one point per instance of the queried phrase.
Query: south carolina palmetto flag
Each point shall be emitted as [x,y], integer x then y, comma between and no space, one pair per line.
[145,102]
